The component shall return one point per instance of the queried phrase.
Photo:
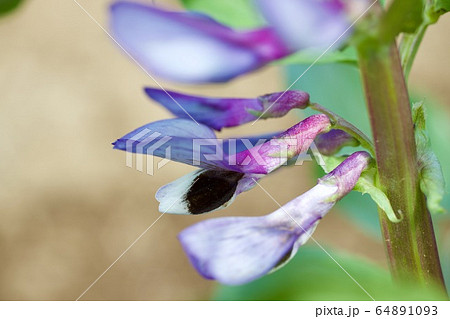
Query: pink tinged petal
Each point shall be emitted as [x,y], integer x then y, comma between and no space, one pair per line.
[307,23]
[190,47]
[228,112]
[237,250]
[265,158]
[333,141]
[347,173]
[278,104]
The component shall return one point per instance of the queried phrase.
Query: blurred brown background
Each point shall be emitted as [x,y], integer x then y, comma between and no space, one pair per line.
[69,206]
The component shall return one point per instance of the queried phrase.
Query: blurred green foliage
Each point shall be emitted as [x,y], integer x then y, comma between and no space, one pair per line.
[8,5]
[236,13]
[313,275]
[442,5]
[401,16]
[346,55]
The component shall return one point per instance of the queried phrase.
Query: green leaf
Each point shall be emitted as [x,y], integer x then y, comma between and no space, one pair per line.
[401,16]
[442,5]
[366,185]
[430,172]
[438,118]
[236,13]
[313,275]
[8,5]
[347,55]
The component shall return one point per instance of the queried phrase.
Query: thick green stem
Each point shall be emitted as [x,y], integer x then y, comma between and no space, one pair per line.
[410,244]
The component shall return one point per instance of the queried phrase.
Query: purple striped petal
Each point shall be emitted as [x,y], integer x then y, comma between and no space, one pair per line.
[265,158]
[190,47]
[307,23]
[180,140]
[237,250]
[328,143]
[228,112]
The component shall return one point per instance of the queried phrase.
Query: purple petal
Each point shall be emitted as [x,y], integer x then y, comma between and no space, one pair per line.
[347,173]
[307,23]
[237,250]
[228,112]
[180,140]
[267,157]
[238,144]
[190,47]
[333,141]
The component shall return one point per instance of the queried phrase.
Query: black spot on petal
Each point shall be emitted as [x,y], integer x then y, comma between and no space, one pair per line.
[211,189]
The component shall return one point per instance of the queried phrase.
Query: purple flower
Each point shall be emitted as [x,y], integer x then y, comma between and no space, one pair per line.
[197,145]
[307,23]
[228,168]
[228,112]
[237,250]
[190,47]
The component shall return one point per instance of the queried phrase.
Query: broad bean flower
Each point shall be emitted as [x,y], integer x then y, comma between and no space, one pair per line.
[236,250]
[194,48]
[227,167]
[218,113]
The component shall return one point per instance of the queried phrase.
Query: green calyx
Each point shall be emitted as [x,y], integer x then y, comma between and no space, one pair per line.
[432,182]
[367,184]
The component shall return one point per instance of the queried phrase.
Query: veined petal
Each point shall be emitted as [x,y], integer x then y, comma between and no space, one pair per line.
[236,250]
[228,112]
[203,191]
[265,158]
[190,47]
[328,143]
[179,140]
[239,144]
[307,23]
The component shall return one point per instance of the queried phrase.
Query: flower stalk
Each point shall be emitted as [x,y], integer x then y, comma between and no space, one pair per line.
[409,46]
[410,244]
